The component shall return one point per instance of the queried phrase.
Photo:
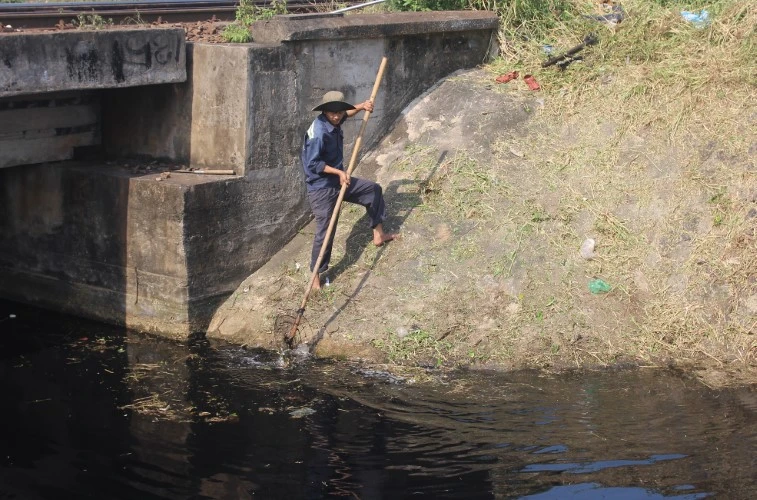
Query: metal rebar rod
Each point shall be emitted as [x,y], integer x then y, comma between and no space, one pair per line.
[353,7]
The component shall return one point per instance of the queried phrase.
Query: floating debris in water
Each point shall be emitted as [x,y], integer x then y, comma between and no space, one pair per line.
[382,375]
[301,412]
[253,361]
[10,316]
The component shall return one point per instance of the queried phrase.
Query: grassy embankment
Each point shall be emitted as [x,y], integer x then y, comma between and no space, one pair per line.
[647,146]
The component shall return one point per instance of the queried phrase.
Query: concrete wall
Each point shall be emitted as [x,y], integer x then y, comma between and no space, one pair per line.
[102,241]
[95,241]
[246,106]
[72,60]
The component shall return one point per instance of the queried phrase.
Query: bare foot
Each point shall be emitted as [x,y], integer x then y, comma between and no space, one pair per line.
[316,283]
[384,238]
[380,237]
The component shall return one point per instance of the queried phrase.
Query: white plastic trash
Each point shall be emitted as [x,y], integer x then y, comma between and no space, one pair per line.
[587,249]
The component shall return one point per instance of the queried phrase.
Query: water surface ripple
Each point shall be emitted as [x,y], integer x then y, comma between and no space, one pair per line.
[92,411]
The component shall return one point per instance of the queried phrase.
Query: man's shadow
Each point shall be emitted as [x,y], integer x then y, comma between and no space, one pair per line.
[401,205]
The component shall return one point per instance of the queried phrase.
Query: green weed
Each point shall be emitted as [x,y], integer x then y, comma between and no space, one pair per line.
[421,5]
[248,12]
[464,250]
[463,186]
[236,33]
[416,346]
[92,22]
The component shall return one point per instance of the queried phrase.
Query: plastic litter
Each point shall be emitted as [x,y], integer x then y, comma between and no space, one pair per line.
[587,249]
[328,283]
[699,19]
[597,286]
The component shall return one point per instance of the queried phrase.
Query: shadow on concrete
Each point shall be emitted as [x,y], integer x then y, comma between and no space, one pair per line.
[131,136]
[361,236]
[64,237]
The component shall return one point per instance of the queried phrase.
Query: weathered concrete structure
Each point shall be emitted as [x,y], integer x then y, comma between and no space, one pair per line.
[64,70]
[75,60]
[95,239]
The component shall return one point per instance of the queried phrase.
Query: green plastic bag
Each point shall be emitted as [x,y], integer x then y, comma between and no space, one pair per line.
[598,286]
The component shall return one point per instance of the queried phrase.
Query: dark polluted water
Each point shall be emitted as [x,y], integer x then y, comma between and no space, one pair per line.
[92,411]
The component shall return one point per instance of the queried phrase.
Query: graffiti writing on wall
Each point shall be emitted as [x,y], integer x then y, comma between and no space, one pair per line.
[129,56]
[139,53]
[83,61]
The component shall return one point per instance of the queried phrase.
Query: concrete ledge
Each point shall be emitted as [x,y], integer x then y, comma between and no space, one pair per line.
[95,241]
[70,60]
[300,28]
[99,241]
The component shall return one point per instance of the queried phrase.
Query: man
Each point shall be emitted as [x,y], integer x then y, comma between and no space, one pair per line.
[322,160]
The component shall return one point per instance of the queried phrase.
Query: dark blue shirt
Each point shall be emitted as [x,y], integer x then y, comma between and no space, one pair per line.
[322,145]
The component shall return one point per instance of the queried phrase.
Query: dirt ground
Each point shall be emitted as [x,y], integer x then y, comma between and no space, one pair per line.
[494,200]
[208,31]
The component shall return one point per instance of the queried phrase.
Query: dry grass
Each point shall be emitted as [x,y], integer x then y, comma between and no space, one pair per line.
[642,147]
[655,70]
[658,123]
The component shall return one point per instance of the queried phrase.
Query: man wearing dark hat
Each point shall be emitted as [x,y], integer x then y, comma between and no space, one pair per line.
[323,162]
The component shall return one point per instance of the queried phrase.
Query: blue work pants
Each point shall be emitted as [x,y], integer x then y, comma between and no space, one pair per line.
[323,201]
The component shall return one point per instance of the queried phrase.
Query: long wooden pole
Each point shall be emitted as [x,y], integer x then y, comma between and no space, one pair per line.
[353,160]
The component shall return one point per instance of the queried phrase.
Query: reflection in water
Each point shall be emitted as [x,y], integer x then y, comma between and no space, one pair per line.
[596,466]
[94,412]
[593,490]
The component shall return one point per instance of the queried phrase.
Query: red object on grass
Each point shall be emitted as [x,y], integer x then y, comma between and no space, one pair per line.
[507,77]
[531,82]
